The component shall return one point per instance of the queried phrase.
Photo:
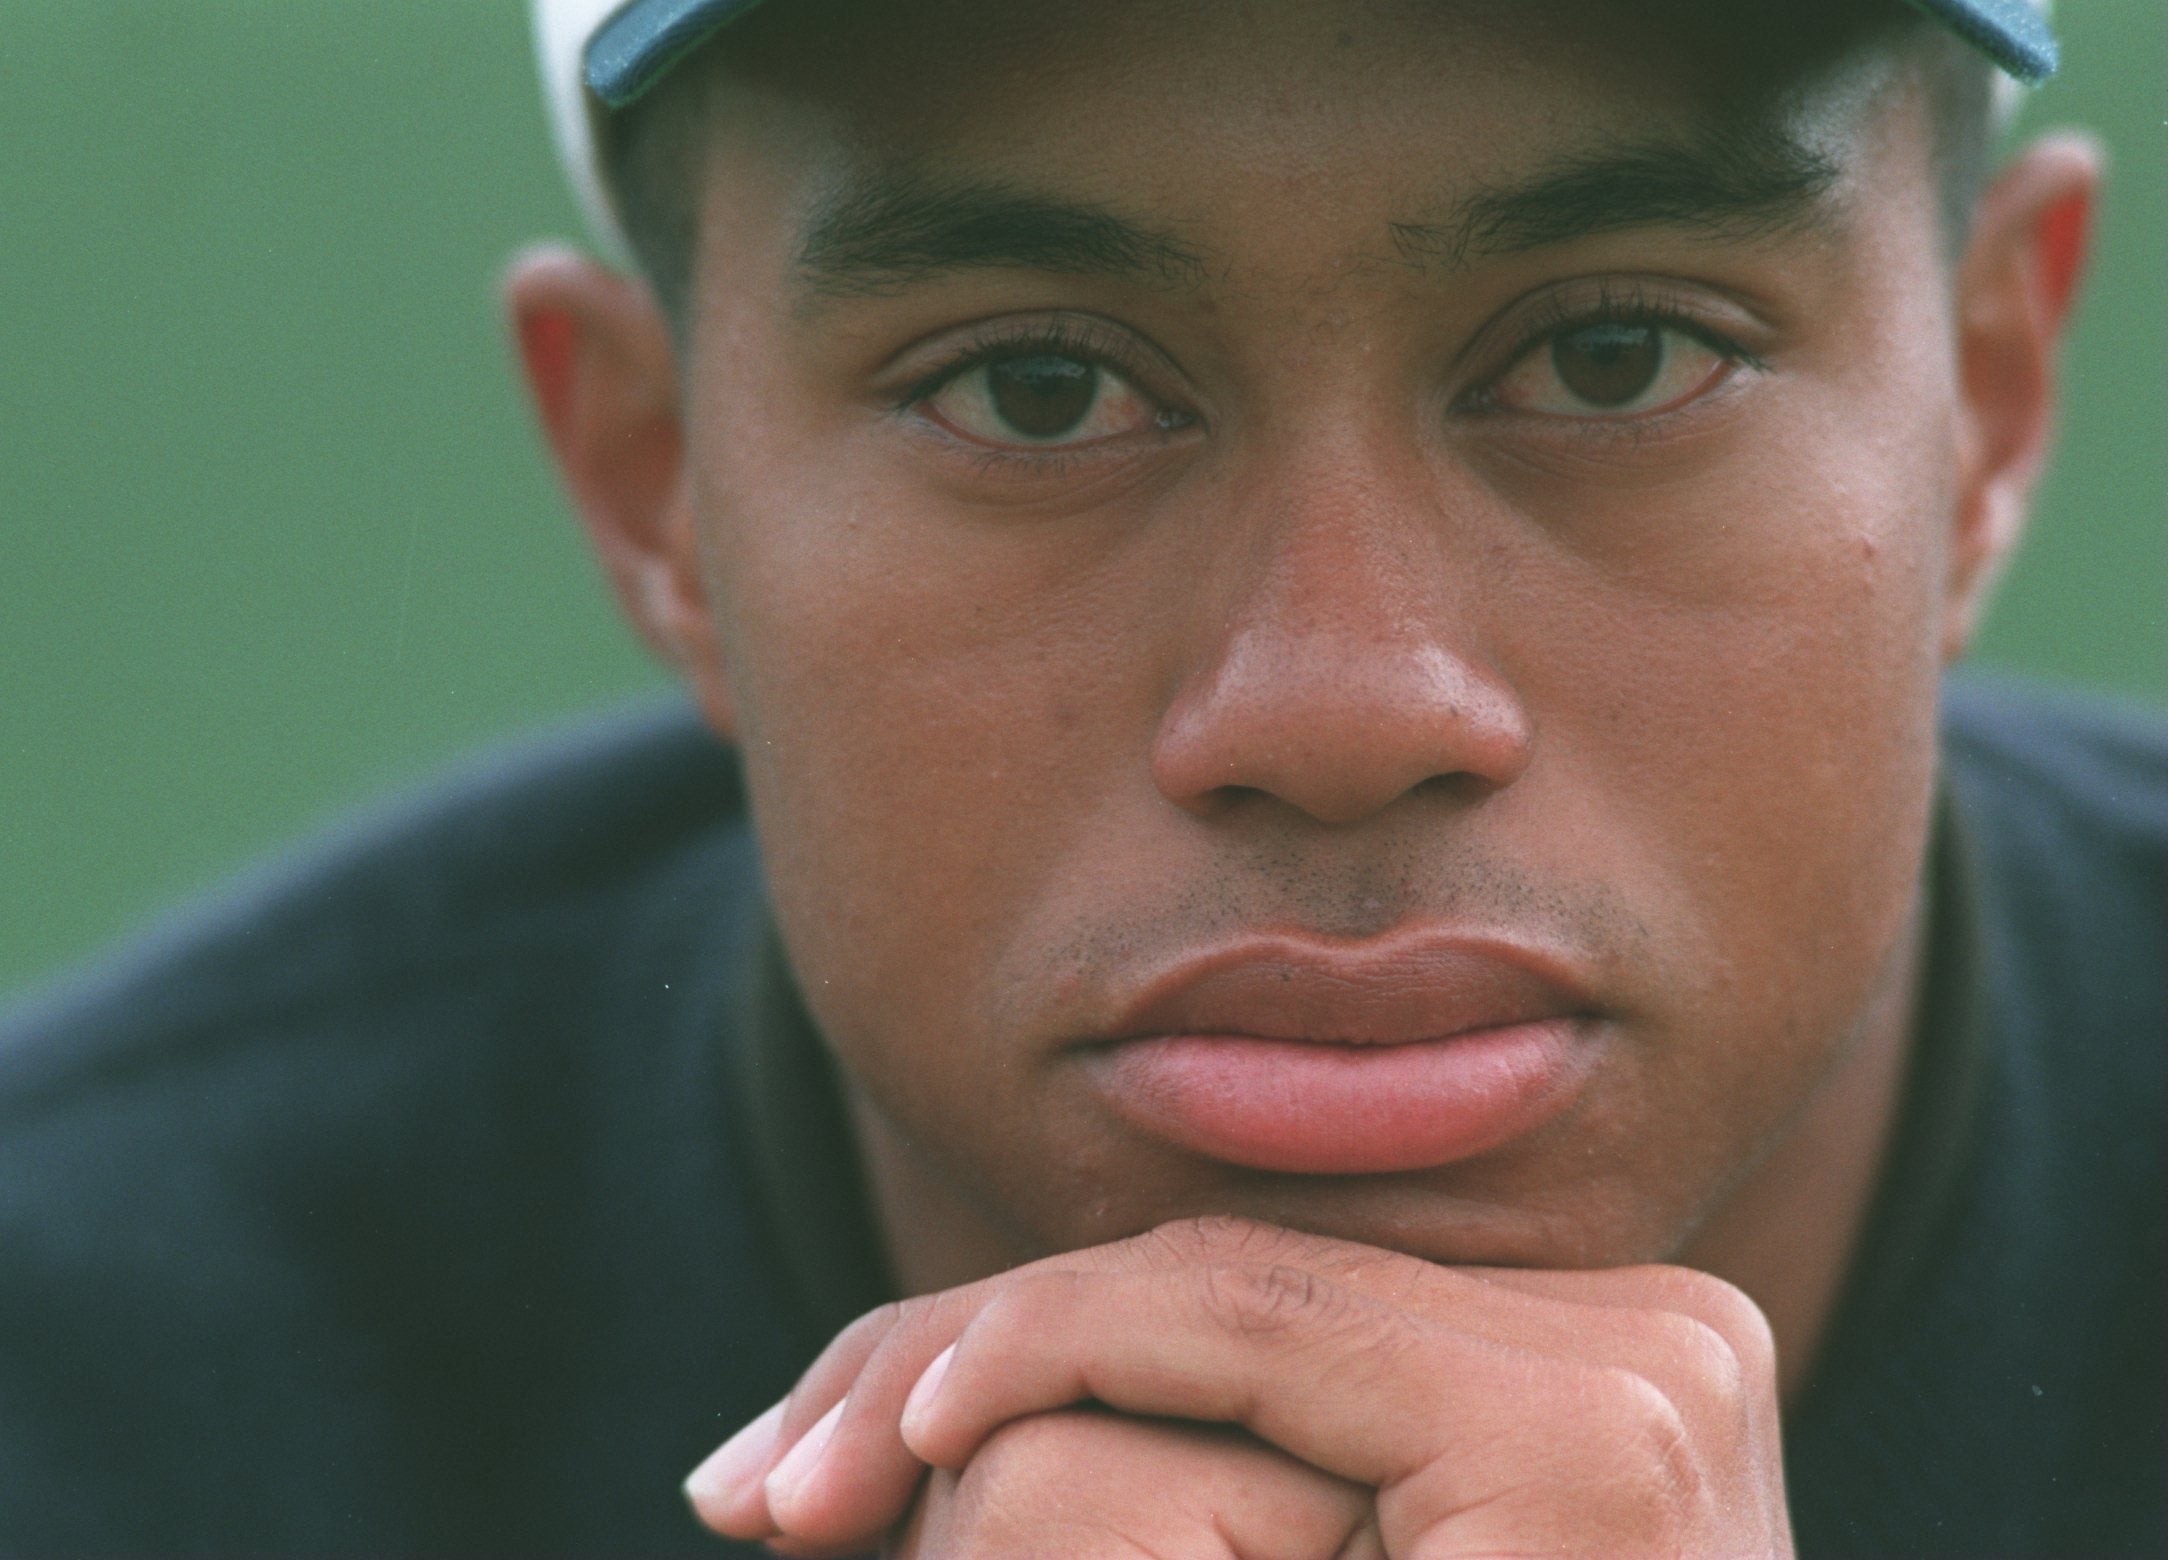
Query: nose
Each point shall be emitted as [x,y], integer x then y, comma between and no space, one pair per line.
[1348,672]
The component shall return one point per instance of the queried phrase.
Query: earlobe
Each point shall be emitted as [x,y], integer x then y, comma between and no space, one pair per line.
[2016,284]
[600,363]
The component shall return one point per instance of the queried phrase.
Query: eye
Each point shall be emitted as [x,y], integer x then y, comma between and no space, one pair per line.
[1042,399]
[1613,368]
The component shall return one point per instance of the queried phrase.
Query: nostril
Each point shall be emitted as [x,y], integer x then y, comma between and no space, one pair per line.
[1235,798]
[1459,786]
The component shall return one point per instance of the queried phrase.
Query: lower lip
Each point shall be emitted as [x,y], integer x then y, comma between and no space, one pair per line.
[1328,1109]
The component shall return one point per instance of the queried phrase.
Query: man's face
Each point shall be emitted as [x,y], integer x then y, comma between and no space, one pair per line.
[1323,524]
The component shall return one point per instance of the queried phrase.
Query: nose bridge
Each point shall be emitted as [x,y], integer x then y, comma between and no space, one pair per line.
[1345,663]
[1346,564]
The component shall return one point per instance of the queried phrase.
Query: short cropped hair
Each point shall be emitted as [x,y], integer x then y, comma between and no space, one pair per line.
[654,153]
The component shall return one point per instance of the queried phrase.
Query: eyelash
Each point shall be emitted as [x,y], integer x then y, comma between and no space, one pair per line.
[1555,315]
[1057,338]
[1560,315]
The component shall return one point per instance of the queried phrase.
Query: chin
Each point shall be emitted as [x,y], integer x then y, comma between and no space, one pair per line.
[1591,1225]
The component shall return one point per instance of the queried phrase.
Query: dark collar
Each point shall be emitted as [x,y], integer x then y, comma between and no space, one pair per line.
[810,1180]
[1939,1118]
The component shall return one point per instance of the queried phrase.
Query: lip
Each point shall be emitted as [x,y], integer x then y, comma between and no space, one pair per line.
[1306,1056]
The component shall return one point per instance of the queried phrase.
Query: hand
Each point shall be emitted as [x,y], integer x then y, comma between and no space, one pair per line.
[1064,1486]
[1623,1412]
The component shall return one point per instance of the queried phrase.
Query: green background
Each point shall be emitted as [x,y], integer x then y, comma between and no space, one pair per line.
[275,532]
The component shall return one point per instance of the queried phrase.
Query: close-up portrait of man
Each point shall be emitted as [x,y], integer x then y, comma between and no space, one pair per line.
[1316,888]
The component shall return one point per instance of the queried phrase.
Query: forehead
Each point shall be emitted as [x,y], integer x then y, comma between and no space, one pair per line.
[1392,114]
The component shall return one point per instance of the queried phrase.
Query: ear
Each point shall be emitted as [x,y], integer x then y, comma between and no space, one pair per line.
[601,365]
[2015,285]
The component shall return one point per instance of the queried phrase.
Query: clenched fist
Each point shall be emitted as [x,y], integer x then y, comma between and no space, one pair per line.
[1224,1388]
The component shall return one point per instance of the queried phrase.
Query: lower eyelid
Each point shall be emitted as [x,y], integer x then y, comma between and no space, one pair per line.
[1728,360]
[1116,383]
[1678,415]
[983,450]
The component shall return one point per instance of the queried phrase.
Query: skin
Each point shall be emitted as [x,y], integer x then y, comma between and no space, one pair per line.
[1374,631]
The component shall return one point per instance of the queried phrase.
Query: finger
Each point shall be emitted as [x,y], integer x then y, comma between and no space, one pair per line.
[726,1489]
[874,1471]
[1506,1444]
[1702,1297]
[1084,1484]
[842,1482]
[851,1478]
[1568,1313]
[1327,1374]
[863,1474]
[1699,1341]
[1684,1350]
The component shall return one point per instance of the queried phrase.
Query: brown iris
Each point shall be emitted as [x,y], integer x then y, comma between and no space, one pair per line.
[1042,397]
[1610,364]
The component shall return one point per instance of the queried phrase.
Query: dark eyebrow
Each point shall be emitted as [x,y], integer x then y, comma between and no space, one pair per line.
[1738,186]
[894,228]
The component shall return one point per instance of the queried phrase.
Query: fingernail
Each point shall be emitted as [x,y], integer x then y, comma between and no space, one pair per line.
[921,1399]
[787,1475]
[727,1474]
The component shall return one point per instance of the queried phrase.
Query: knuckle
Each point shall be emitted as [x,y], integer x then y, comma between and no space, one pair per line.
[1713,1301]
[911,1316]
[1745,1331]
[918,1329]
[1260,1300]
[918,1321]
[1657,1468]
[1034,1305]
[1703,1356]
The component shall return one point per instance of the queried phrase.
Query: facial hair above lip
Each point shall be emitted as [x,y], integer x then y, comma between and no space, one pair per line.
[1514,949]
[1418,982]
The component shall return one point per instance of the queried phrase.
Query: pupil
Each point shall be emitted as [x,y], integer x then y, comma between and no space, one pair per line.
[1042,397]
[1608,365]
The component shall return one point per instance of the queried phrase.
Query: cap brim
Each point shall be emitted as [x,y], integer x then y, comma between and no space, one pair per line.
[2013,33]
[642,39]
[592,67]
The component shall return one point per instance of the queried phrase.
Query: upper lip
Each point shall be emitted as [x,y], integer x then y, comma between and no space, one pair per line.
[1412,985]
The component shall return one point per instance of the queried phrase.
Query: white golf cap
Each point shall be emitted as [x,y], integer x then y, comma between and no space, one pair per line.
[599,55]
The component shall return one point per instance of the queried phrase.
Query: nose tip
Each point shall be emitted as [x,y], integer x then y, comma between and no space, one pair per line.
[1342,656]
[1340,732]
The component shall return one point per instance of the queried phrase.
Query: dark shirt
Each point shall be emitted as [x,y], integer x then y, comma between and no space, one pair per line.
[454,1191]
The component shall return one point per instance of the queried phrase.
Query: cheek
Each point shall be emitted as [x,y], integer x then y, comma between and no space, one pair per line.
[934,714]
[1745,722]
[1736,730]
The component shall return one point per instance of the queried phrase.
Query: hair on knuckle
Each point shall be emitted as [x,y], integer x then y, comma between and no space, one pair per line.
[1216,1236]
[1259,1300]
